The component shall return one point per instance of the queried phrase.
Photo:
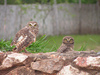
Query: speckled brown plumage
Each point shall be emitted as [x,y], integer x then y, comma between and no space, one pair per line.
[25,36]
[67,44]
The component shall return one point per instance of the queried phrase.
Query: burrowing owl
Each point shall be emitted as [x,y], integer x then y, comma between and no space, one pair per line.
[25,36]
[67,44]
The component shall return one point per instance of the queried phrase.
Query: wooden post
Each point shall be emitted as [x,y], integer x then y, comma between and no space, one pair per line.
[56,18]
[4,27]
[98,2]
[80,24]
[98,20]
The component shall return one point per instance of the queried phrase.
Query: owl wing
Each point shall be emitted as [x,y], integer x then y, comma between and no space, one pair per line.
[62,48]
[20,36]
[32,36]
[24,41]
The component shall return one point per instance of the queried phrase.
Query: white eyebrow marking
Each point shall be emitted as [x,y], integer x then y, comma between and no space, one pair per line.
[33,24]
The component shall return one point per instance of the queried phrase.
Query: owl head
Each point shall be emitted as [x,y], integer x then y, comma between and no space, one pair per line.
[33,26]
[68,40]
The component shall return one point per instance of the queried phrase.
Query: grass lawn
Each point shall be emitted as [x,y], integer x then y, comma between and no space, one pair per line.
[89,42]
[52,43]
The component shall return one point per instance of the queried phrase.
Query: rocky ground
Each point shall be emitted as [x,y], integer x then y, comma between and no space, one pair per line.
[53,63]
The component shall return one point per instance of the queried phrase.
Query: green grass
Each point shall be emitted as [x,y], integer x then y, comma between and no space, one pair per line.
[39,45]
[82,42]
[5,45]
[52,43]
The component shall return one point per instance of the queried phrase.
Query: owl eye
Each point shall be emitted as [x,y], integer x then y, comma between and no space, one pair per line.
[71,41]
[30,25]
[65,39]
[35,25]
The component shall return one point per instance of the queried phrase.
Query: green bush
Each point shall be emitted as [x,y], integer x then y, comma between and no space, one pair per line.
[38,46]
[46,1]
[5,45]
[41,46]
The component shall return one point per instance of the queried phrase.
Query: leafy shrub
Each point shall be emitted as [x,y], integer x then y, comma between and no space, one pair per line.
[46,1]
[38,46]
[5,45]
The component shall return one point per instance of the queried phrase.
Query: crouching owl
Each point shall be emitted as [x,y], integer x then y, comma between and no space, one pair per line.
[25,36]
[67,45]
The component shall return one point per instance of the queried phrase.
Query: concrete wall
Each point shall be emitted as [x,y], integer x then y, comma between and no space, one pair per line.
[66,22]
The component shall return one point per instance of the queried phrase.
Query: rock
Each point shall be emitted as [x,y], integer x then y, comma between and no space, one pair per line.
[48,66]
[98,73]
[52,63]
[26,71]
[21,71]
[2,57]
[12,60]
[88,62]
[70,70]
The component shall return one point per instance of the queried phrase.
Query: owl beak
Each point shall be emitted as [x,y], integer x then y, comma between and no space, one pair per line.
[68,40]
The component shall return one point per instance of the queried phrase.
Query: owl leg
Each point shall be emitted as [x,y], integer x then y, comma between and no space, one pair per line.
[14,49]
[61,51]
[18,49]
[22,47]
[26,51]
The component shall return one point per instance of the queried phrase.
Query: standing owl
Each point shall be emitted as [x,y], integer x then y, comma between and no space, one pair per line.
[67,44]
[25,36]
